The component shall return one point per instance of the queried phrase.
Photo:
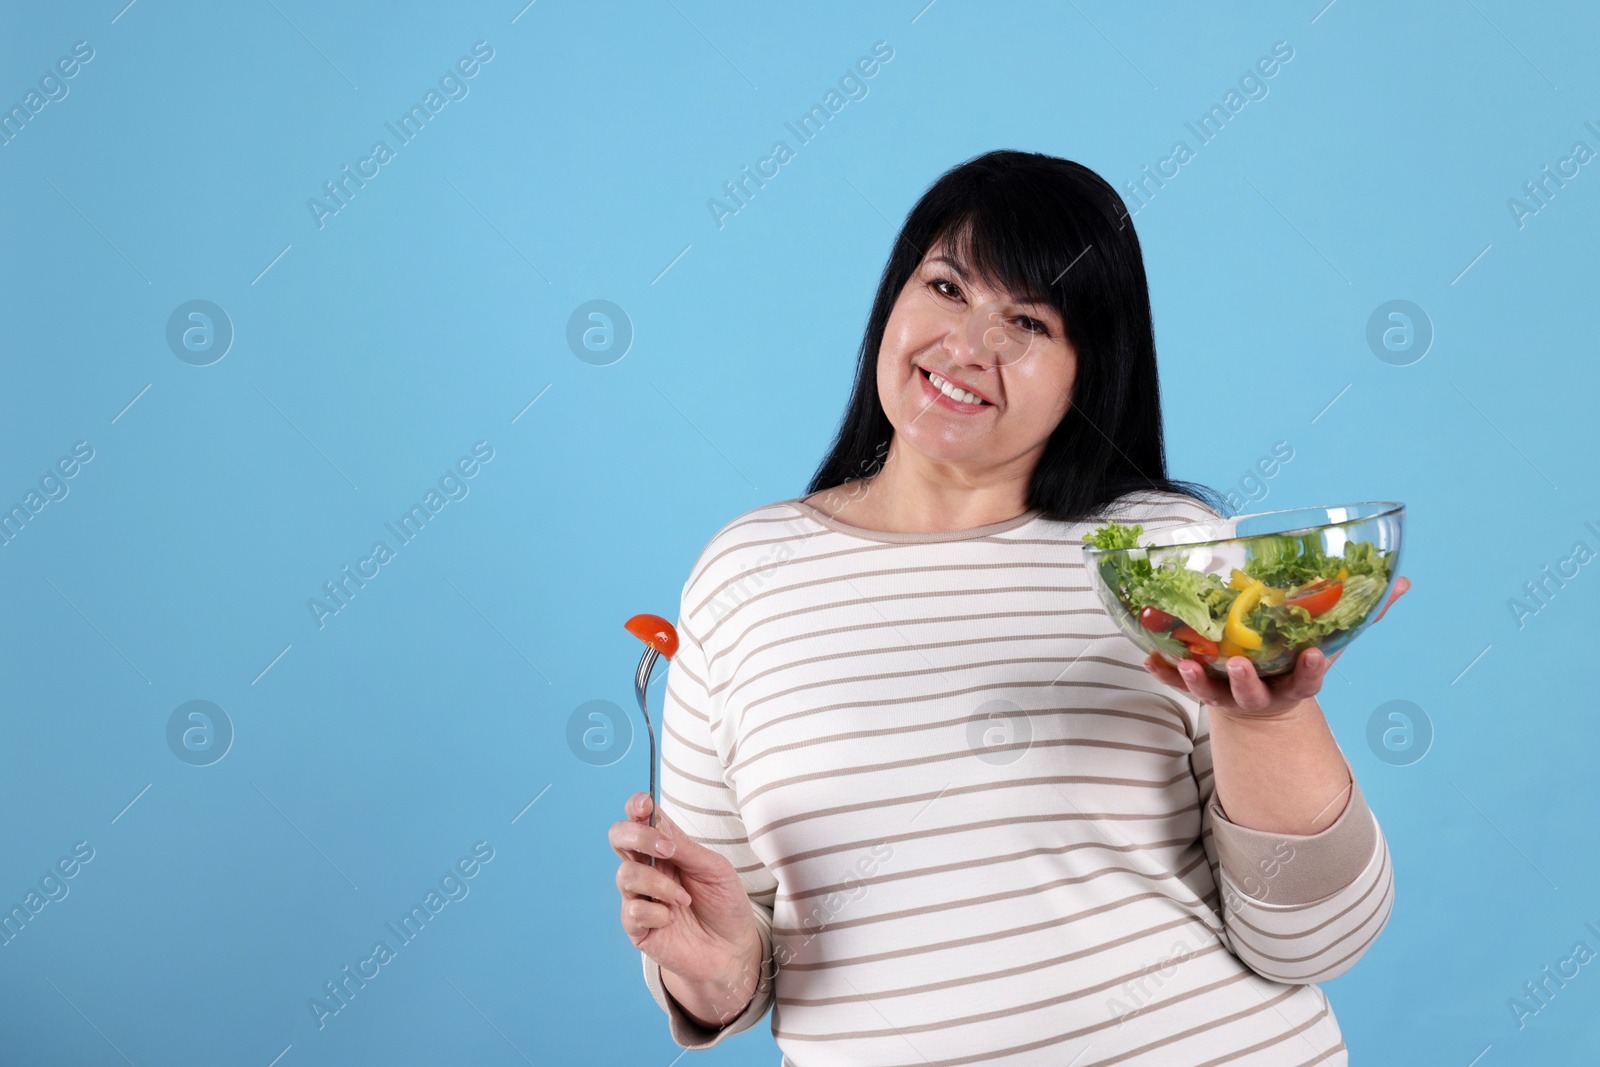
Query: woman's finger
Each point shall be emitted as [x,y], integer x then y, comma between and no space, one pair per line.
[639,917]
[639,806]
[635,841]
[1401,584]
[1164,671]
[1310,672]
[1250,693]
[641,880]
[1202,686]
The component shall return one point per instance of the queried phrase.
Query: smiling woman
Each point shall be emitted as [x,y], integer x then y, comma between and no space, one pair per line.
[918,794]
[1016,279]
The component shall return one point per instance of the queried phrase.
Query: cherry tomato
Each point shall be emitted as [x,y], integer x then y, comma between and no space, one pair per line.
[656,632]
[1319,600]
[1156,619]
[1198,643]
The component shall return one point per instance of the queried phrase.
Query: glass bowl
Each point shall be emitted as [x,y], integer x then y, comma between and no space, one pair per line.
[1266,585]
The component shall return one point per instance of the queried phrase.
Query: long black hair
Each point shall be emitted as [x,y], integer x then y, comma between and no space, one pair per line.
[1051,230]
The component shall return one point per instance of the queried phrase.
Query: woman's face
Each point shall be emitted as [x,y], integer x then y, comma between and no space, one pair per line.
[1013,355]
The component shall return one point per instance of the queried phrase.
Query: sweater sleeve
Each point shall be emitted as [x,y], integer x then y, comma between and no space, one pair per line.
[696,796]
[1297,908]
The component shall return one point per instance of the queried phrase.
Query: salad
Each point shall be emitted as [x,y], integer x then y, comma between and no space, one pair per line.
[1289,595]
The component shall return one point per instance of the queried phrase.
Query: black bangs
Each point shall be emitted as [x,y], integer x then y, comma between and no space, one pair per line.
[1047,230]
[1027,259]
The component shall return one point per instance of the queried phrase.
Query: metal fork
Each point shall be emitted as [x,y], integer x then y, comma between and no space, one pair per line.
[641,680]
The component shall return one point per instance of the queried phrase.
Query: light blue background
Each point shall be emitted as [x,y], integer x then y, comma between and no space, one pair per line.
[432,310]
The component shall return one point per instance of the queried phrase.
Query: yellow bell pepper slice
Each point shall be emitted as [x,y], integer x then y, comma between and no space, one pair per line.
[1234,629]
[1226,648]
[1270,595]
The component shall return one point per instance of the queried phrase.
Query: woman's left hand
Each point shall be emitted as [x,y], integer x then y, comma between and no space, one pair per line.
[1251,695]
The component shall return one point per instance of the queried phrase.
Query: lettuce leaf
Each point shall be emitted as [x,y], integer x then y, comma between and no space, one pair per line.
[1365,558]
[1298,626]
[1115,535]
[1201,600]
[1122,572]
[1287,560]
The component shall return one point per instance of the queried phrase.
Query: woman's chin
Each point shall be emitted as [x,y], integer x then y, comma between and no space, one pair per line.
[933,450]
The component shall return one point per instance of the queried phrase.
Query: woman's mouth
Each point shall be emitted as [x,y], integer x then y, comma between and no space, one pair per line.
[939,396]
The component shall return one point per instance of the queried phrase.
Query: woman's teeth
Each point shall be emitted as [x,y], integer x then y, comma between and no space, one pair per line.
[952,392]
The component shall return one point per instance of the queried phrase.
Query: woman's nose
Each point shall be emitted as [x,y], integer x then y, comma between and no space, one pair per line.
[984,339]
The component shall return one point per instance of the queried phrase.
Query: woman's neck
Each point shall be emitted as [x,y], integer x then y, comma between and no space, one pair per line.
[899,500]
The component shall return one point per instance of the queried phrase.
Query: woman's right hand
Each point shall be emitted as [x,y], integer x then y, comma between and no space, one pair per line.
[690,912]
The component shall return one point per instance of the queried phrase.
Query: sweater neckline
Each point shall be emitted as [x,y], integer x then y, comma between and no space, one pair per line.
[916,536]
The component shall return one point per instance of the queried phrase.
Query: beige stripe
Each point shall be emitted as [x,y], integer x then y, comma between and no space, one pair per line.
[1015,931]
[1380,878]
[686,705]
[685,742]
[1277,1039]
[1076,816]
[681,773]
[910,798]
[781,514]
[936,695]
[832,602]
[962,943]
[792,537]
[927,668]
[884,703]
[1180,520]
[1052,542]
[938,757]
[1011,972]
[822,518]
[716,813]
[922,670]
[903,646]
[1384,905]
[682,667]
[1077,994]
[1335,964]
[688,709]
[1002,1013]
[1058,1039]
[844,576]
[853,549]
[773,565]
[1323,1057]
[941,619]
[923,727]
[984,861]
[949,904]
[1212,1024]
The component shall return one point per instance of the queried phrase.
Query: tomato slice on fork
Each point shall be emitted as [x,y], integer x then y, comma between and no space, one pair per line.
[656,632]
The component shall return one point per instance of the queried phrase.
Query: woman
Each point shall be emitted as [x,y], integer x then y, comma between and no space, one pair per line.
[919,795]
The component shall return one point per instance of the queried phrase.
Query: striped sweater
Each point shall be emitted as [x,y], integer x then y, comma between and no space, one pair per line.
[972,827]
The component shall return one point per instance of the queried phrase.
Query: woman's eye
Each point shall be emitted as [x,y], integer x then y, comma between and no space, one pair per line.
[937,282]
[1033,325]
